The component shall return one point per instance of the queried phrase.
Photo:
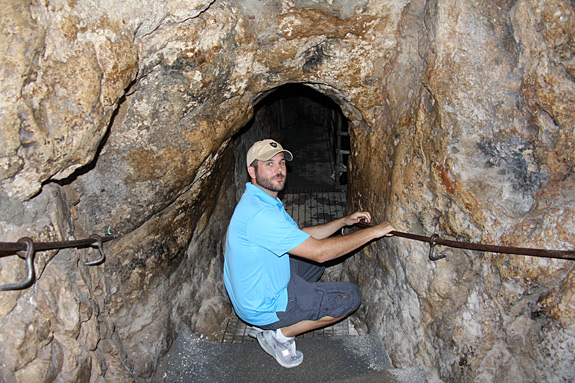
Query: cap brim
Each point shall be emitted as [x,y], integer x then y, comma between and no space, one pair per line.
[269,155]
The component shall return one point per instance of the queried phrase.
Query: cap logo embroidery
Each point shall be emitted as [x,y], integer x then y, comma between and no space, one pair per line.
[273,144]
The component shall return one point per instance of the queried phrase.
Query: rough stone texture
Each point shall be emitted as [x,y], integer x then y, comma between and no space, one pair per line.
[474,149]
[462,117]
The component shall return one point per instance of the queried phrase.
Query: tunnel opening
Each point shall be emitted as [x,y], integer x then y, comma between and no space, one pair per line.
[313,127]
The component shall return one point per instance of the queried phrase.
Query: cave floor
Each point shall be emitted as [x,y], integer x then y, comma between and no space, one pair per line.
[342,359]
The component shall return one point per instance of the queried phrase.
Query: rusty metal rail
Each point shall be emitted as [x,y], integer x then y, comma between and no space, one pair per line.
[25,248]
[436,240]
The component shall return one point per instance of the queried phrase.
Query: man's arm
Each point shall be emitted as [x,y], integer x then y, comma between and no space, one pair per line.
[331,248]
[327,229]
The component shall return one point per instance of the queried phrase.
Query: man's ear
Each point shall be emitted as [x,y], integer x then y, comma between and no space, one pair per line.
[252,172]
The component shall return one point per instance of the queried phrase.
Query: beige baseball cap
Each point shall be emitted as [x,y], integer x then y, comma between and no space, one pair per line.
[264,150]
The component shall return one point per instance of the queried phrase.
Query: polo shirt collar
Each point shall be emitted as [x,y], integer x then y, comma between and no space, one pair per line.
[262,195]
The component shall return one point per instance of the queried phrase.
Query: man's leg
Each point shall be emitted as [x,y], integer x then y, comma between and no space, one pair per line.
[309,271]
[316,304]
[308,325]
[339,299]
[310,306]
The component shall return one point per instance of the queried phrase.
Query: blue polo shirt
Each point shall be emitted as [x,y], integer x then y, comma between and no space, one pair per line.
[256,265]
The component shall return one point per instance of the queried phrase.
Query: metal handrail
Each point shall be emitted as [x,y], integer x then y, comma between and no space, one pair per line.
[25,248]
[434,240]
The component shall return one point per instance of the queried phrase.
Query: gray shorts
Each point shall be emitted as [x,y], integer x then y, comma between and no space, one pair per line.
[312,300]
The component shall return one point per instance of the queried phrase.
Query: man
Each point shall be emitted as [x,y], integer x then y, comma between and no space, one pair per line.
[271,290]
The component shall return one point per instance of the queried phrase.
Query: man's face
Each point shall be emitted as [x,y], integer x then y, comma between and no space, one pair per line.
[271,175]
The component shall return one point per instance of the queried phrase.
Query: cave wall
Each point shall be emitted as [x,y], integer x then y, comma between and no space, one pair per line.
[124,117]
[475,150]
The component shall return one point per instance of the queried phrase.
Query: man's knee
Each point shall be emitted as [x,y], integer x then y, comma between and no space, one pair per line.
[340,299]
[355,297]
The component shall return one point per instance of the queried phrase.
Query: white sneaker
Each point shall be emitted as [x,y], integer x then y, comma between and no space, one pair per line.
[254,331]
[283,352]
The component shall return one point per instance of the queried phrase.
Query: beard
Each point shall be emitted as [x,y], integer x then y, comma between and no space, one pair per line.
[268,183]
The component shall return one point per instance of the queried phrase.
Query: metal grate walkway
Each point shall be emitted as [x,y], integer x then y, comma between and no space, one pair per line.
[314,208]
[307,209]
[236,331]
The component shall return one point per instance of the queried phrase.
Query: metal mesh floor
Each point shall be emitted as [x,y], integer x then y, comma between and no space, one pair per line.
[314,208]
[307,209]
[236,331]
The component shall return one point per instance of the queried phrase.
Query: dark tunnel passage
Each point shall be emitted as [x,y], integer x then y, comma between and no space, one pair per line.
[313,127]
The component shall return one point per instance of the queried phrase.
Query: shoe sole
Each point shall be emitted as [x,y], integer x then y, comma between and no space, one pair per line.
[270,351]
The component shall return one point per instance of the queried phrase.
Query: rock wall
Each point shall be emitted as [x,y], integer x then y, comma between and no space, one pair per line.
[124,117]
[472,148]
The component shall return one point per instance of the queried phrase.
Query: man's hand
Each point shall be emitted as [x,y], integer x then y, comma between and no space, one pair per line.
[385,229]
[356,217]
